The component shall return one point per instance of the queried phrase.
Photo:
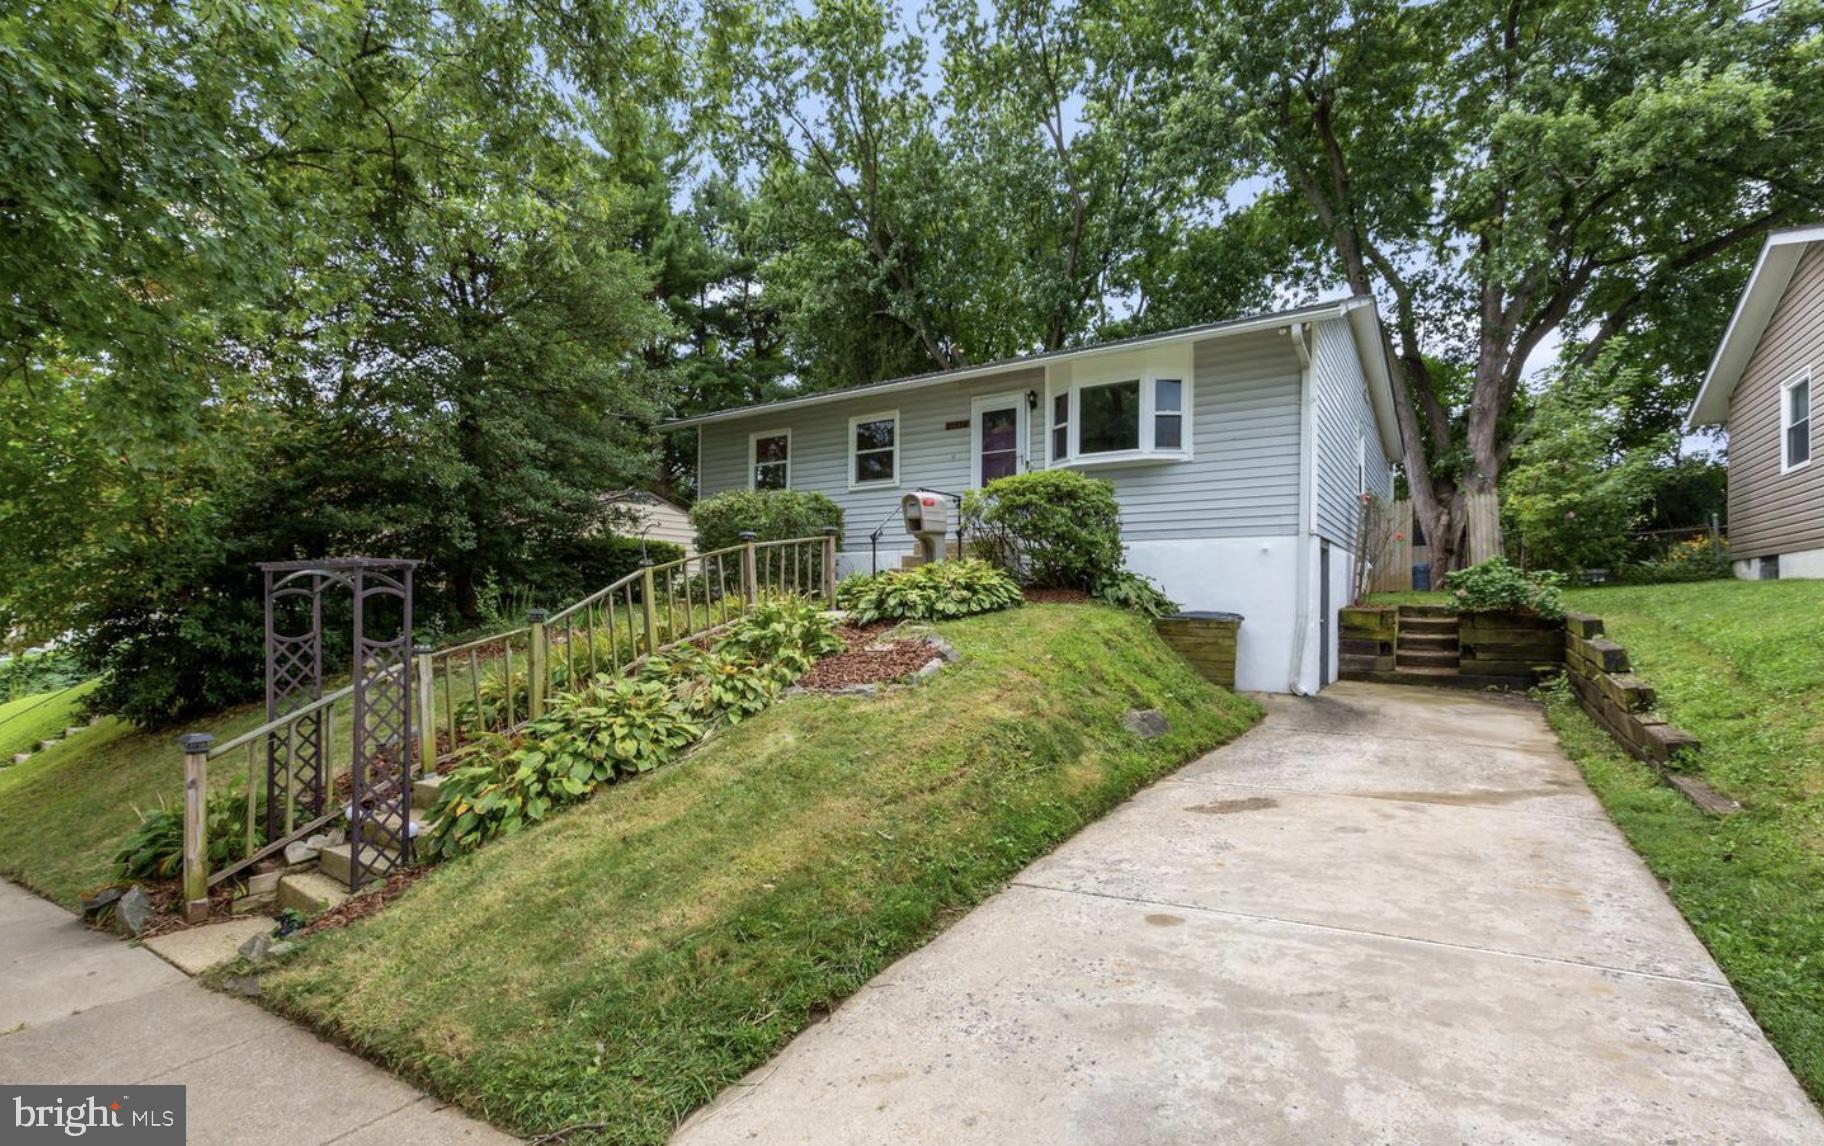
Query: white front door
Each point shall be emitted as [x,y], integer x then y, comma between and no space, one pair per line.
[997,437]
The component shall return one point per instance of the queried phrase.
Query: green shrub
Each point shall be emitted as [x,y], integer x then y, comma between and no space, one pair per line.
[607,731]
[929,592]
[1498,586]
[720,686]
[1053,529]
[1696,559]
[773,514]
[1135,591]
[155,849]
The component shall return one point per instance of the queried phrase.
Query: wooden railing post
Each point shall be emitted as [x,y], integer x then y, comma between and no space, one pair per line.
[750,573]
[196,805]
[427,710]
[647,609]
[829,564]
[535,669]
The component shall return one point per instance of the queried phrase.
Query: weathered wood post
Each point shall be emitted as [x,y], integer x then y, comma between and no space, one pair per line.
[750,573]
[535,668]
[648,613]
[829,564]
[196,747]
[427,709]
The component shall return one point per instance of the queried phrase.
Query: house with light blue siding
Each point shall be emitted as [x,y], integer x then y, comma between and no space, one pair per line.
[1239,452]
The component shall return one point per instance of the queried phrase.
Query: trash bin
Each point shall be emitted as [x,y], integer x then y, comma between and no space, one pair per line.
[1421,576]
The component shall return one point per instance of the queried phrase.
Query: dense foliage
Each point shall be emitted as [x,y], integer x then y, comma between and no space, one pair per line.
[612,728]
[155,849]
[1693,559]
[1054,529]
[1499,586]
[929,592]
[772,514]
[32,673]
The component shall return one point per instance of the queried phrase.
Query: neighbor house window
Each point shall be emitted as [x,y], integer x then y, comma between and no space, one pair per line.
[1795,422]
[874,450]
[769,460]
[1125,419]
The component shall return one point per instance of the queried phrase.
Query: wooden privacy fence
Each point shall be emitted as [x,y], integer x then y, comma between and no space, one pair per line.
[1391,571]
[491,684]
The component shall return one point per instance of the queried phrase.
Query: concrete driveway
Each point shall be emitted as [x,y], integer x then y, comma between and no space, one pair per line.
[1385,915]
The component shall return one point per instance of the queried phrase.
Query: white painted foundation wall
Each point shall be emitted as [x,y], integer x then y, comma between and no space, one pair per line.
[1805,564]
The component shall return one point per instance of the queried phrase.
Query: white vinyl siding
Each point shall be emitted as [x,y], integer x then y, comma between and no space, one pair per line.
[1349,453]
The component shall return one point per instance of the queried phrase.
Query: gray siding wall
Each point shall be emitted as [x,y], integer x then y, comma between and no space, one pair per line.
[1769,511]
[1242,480]
[929,454]
[1339,392]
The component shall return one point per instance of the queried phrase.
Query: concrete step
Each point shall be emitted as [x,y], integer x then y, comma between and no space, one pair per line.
[425,791]
[311,892]
[1447,660]
[338,861]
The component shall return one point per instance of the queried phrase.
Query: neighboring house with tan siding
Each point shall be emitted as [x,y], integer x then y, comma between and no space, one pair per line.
[1763,385]
[652,516]
[1239,452]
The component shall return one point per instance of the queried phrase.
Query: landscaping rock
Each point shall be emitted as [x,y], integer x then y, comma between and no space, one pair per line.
[257,948]
[930,668]
[133,910]
[21,757]
[1146,723]
[856,690]
[94,905]
[281,948]
[248,985]
[299,852]
[243,904]
[945,649]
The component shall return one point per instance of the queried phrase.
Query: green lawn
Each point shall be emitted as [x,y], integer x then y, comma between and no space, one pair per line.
[29,719]
[625,961]
[1741,666]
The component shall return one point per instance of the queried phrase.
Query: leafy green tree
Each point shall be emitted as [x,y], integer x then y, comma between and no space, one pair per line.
[1503,175]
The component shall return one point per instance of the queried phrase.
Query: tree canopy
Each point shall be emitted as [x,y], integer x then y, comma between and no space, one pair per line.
[282,278]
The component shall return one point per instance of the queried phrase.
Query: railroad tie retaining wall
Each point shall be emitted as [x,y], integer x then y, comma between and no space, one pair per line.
[1207,640]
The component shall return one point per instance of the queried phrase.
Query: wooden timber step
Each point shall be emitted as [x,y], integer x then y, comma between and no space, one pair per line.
[1449,670]
[1437,659]
[1428,642]
[1429,625]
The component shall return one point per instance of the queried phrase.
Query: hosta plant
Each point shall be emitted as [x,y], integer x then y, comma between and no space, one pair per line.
[929,592]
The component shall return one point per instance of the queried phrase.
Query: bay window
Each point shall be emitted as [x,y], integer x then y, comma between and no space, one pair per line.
[1139,418]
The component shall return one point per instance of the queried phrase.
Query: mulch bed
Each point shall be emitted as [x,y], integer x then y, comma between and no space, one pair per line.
[860,664]
[1057,596]
[365,903]
[168,907]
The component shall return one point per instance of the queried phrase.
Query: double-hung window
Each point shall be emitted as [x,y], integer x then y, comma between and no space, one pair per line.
[769,460]
[1795,423]
[874,450]
[1138,418]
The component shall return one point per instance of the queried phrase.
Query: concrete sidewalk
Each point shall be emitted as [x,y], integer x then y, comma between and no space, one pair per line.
[80,1007]
[1386,915]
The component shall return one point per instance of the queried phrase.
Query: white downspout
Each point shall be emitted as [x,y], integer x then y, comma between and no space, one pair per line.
[1307,506]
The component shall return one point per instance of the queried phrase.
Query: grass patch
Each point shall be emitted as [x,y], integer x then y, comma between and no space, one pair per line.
[1411,597]
[625,961]
[1740,665]
[26,720]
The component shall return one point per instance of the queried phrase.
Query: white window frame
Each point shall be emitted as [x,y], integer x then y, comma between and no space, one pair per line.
[1787,422]
[1148,377]
[1361,462]
[898,445]
[1022,432]
[753,458]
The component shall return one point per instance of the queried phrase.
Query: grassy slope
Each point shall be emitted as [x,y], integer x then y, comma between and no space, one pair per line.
[28,719]
[1741,666]
[625,961]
